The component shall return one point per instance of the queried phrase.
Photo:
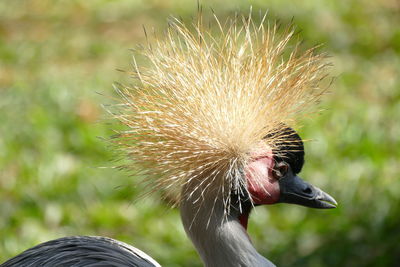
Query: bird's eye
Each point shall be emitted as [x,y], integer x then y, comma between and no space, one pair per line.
[281,170]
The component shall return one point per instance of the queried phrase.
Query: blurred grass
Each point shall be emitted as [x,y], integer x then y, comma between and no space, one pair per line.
[56,55]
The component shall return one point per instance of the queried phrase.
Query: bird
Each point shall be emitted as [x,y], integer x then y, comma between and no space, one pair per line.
[210,126]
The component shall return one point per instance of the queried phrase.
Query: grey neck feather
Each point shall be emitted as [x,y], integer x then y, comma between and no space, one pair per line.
[220,239]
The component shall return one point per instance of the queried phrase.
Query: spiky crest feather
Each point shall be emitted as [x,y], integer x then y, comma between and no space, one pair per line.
[203,106]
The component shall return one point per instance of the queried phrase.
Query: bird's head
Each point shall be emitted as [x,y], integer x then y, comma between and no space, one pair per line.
[208,117]
[272,175]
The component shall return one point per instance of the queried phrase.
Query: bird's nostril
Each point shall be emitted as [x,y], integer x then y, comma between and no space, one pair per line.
[307,190]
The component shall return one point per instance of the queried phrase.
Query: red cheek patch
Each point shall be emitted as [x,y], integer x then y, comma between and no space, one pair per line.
[262,186]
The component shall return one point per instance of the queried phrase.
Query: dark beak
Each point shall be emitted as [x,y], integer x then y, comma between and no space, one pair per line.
[296,191]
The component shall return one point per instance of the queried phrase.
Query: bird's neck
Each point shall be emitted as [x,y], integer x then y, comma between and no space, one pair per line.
[220,239]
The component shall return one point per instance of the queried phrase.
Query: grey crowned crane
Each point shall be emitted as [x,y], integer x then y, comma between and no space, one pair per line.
[207,125]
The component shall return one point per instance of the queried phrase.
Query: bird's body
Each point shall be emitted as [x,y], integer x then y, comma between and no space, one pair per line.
[208,126]
[82,251]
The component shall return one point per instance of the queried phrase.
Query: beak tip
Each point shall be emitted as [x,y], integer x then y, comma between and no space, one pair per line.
[326,200]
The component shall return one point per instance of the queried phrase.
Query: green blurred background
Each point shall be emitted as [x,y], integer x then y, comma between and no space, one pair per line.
[58,60]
